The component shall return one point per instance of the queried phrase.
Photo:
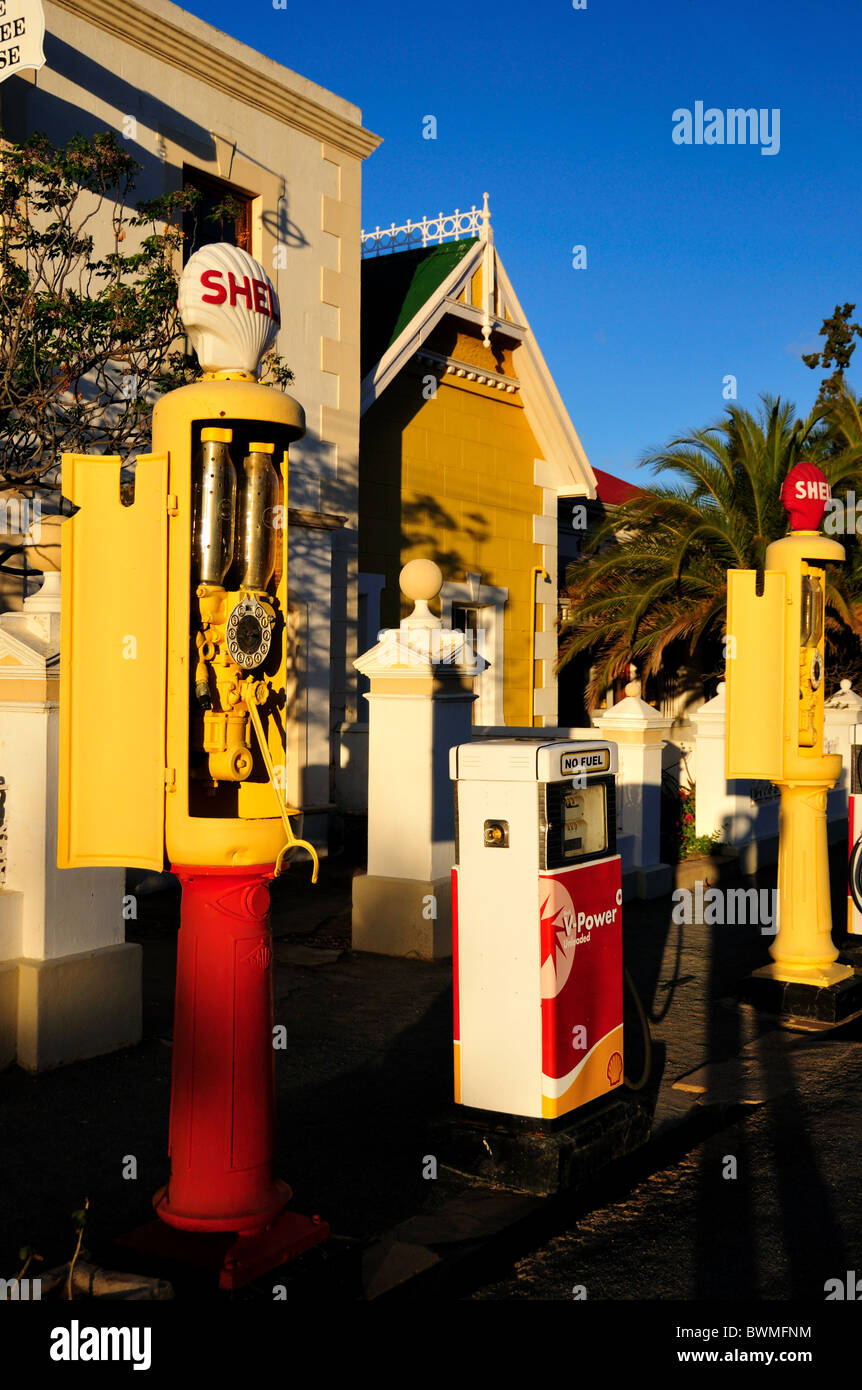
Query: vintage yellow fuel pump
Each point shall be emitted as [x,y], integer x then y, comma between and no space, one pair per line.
[775,705]
[174,715]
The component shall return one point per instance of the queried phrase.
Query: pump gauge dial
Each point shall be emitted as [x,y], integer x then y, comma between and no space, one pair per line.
[249,633]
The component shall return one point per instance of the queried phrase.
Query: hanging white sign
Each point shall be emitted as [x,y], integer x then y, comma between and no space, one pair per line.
[22,30]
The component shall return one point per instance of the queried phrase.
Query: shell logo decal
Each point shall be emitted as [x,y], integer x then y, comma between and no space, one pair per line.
[558,910]
[615,1068]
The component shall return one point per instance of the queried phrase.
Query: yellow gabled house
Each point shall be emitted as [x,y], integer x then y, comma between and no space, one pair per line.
[465,451]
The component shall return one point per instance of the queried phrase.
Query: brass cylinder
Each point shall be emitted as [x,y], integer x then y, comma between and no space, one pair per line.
[225,733]
[256,548]
[214,507]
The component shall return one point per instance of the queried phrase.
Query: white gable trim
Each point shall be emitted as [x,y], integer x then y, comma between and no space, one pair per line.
[566,466]
[418,329]
[549,420]
[475,316]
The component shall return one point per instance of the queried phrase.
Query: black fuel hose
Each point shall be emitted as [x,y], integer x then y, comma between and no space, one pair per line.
[644,1078]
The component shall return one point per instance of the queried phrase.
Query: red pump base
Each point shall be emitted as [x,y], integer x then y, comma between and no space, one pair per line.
[223,1085]
[236,1259]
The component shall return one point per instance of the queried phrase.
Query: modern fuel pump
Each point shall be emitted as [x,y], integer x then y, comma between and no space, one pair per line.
[174,714]
[537,926]
[775,711]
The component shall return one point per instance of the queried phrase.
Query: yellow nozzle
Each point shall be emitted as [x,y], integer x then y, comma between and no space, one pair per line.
[211,435]
[261,448]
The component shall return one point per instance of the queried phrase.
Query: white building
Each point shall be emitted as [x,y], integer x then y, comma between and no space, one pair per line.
[195,106]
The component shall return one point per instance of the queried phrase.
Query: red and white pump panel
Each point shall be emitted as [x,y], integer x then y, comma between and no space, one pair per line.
[537,925]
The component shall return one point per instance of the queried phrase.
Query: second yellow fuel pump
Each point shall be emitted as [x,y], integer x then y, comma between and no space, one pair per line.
[775,711]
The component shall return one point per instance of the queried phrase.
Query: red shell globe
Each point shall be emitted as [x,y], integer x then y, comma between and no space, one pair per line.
[804,496]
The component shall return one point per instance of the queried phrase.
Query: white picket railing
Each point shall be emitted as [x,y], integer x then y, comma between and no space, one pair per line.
[430,229]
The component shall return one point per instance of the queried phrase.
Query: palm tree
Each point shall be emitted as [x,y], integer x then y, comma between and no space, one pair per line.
[654,573]
[842,416]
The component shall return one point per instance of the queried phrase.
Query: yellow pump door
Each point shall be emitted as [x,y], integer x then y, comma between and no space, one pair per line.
[113,665]
[754,673]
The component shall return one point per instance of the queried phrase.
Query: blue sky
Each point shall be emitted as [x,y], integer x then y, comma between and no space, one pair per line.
[702,260]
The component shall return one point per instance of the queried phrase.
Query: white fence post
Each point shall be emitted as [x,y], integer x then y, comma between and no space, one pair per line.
[420,704]
[840,714]
[638,731]
[70,984]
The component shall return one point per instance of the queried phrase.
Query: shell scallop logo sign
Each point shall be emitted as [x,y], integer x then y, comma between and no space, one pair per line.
[804,496]
[229,308]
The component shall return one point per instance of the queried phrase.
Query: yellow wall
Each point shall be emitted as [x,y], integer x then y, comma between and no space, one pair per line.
[451,478]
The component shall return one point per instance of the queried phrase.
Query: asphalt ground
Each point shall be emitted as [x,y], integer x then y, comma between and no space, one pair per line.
[767,1208]
[368,1068]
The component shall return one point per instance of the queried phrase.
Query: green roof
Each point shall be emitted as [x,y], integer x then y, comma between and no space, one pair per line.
[394,288]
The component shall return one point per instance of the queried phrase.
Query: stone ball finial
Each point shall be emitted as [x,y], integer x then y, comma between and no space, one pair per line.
[43,543]
[421,579]
[846,685]
[634,687]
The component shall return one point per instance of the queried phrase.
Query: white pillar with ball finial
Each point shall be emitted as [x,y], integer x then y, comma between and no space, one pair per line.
[70,984]
[420,703]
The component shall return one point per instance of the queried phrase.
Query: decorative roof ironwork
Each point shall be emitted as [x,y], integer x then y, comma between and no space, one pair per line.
[430,230]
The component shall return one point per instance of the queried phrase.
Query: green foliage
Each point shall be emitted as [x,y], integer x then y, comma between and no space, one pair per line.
[688,844]
[654,573]
[839,347]
[89,330]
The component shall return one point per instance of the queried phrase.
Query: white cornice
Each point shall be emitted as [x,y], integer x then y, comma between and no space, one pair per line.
[470,371]
[199,50]
[20,657]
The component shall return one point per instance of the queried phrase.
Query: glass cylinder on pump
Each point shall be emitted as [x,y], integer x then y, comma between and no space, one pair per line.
[214,506]
[256,549]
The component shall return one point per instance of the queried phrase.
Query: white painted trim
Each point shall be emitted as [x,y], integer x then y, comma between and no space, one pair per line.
[543,473]
[545,703]
[543,404]
[544,530]
[488,685]
[369,586]
[28,706]
[474,315]
[423,323]
[454,366]
[546,598]
[568,468]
